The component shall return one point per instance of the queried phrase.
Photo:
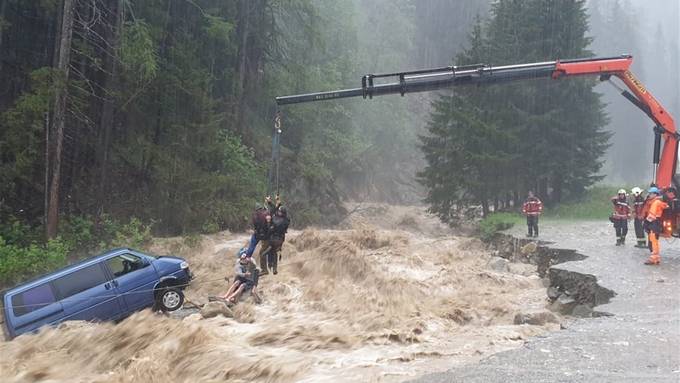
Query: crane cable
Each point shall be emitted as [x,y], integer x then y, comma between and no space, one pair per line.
[274,169]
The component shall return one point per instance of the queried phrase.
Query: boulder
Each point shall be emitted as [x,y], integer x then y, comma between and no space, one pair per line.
[553,292]
[529,248]
[563,304]
[538,318]
[583,311]
[213,309]
[499,265]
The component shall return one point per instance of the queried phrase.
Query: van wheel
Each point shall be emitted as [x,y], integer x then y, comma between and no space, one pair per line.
[170,299]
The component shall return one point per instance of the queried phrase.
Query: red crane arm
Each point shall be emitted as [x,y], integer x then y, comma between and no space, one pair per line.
[619,67]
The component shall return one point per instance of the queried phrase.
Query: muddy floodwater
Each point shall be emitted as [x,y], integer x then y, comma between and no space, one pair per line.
[388,296]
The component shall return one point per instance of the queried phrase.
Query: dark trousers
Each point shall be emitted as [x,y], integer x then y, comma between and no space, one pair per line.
[639,231]
[274,251]
[621,227]
[532,224]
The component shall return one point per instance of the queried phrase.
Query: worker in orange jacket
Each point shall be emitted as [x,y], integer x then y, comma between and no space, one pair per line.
[620,216]
[653,224]
[532,208]
[638,210]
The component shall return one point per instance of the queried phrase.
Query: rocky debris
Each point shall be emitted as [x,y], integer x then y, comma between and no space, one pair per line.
[578,288]
[583,311]
[499,265]
[213,309]
[553,293]
[523,250]
[529,248]
[538,318]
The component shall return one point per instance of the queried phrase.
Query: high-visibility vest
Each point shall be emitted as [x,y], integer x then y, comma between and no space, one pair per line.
[656,209]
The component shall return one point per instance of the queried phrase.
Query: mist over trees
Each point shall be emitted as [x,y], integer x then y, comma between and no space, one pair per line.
[490,145]
[162,110]
[650,31]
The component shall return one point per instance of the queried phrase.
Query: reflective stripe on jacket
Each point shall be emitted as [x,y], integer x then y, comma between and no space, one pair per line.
[621,208]
[532,206]
[639,206]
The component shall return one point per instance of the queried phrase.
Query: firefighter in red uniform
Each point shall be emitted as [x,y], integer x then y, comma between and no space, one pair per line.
[639,210]
[653,223]
[620,216]
[532,208]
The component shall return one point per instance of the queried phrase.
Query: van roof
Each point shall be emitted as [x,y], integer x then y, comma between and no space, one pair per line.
[48,276]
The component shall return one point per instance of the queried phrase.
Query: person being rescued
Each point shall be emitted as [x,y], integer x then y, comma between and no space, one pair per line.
[620,216]
[653,224]
[277,235]
[639,211]
[260,223]
[245,278]
[532,208]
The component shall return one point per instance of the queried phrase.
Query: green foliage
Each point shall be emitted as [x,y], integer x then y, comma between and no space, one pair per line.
[138,50]
[18,263]
[594,204]
[495,222]
[85,235]
[22,131]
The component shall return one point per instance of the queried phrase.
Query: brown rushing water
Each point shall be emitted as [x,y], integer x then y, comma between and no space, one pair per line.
[390,297]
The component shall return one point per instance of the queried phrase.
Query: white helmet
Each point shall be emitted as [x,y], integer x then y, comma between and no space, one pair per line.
[636,191]
[622,191]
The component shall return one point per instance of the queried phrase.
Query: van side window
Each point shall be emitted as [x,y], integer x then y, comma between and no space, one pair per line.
[123,264]
[33,299]
[80,280]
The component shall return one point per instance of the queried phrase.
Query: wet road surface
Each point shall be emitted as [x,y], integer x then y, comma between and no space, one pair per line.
[639,343]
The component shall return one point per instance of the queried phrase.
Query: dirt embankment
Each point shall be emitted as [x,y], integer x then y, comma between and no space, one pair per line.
[390,296]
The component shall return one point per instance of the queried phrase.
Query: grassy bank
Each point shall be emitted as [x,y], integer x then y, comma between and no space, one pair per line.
[595,205]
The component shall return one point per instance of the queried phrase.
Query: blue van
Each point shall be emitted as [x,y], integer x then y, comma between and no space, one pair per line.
[109,286]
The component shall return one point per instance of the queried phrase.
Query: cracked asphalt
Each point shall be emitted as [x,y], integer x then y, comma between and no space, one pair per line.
[639,343]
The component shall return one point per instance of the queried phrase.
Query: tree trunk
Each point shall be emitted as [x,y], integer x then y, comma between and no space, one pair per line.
[111,85]
[59,114]
[242,32]
[3,7]
[485,208]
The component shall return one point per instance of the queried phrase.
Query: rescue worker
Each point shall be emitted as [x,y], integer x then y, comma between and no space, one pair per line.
[532,208]
[620,216]
[653,224]
[277,236]
[639,211]
[271,206]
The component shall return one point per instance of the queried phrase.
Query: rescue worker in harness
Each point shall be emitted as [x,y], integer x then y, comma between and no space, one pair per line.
[639,211]
[277,235]
[532,208]
[653,224]
[620,216]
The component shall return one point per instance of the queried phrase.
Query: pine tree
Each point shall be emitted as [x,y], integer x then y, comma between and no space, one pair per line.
[541,135]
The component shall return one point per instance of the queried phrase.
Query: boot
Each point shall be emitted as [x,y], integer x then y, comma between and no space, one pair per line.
[623,241]
[618,241]
[654,260]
